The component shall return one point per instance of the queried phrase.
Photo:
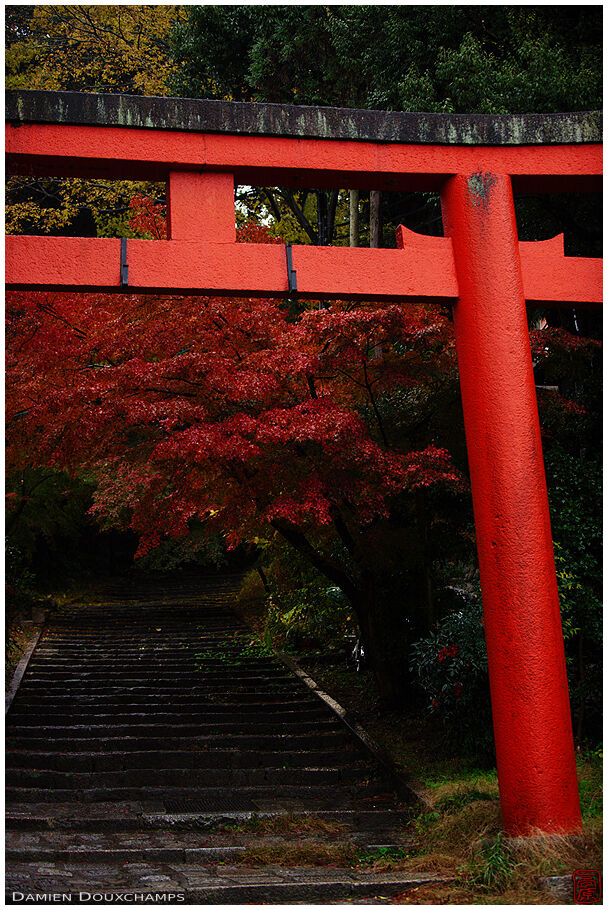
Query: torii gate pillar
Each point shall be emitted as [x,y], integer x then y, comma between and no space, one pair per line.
[529,688]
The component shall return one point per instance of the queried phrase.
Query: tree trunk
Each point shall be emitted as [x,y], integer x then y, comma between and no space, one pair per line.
[374,242]
[381,614]
[354,218]
[381,622]
[423,532]
[374,218]
[322,219]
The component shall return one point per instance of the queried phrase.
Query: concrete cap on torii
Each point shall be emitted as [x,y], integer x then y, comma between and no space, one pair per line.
[299,122]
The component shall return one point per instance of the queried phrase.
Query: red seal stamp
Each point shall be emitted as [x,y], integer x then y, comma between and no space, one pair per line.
[587,886]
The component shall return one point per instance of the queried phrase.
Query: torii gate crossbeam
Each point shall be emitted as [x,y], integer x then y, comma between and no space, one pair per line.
[202,148]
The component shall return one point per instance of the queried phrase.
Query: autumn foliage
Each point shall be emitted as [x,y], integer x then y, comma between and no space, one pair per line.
[218,409]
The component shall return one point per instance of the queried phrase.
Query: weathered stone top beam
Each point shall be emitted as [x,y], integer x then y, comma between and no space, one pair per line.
[298,122]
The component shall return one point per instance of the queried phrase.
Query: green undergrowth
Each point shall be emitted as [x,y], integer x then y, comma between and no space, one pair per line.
[234,651]
[457,833]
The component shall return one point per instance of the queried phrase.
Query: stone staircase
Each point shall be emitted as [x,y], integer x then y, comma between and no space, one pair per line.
[155,746]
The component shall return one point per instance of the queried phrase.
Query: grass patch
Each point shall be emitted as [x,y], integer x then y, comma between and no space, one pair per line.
[316,852]
[589,768]
[460,835]
[300,853]
[384,859]
[288,824]
[233,652]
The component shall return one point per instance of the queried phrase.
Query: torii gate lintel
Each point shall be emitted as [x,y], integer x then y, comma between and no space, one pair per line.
[202,148]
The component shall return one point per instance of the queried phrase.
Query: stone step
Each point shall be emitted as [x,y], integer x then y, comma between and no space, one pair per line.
[183,777]
[223,759]
[187,686]
[179,847]
[220,884]
[205,714]
[229,640]
[295,794]
[142,645]
[305,705]
[138,666]
[47,667]
[118,817]
[181,630]
[183,695]
[265,742]
[281,722]
[49,652]
[167,640]
[113,694]
[181,671]
[150,648]
[117,855]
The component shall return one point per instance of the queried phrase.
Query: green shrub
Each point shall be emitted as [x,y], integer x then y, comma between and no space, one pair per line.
[19,582]
[303,610]
[310,615]
[451,668]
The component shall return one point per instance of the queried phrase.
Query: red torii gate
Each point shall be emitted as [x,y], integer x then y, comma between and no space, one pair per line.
[202,148]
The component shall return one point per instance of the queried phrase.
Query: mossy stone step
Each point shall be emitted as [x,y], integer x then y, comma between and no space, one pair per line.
[119,817]
[220,884]
[175,846]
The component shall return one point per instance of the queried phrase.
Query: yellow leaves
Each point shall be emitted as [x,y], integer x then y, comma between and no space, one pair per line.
[51,204]
[86,48]
[19,58]
[23,213]
[95,48]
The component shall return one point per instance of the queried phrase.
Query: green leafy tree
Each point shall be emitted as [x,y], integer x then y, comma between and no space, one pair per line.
[467,59]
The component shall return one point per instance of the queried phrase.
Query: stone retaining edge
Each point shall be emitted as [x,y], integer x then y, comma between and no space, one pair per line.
[408,788]
[20,669]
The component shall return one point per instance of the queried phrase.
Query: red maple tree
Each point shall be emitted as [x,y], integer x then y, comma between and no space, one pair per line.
[244,416]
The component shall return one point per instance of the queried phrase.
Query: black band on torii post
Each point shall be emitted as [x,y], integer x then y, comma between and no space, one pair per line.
[292,278]
[124,268]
